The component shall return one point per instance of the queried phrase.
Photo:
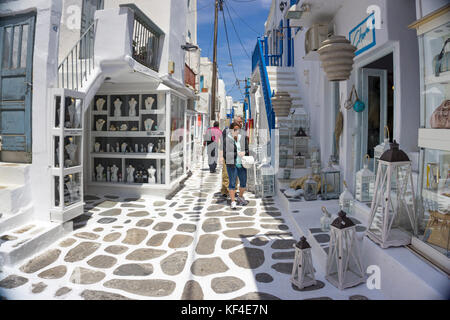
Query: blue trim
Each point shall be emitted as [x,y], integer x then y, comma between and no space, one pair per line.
[362,36]
[289,49]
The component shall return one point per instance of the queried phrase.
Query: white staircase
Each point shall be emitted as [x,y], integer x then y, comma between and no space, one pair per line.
[20,235]
[283,79]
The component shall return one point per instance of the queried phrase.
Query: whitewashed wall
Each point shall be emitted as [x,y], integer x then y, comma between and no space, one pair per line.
[316,89]
[45,59]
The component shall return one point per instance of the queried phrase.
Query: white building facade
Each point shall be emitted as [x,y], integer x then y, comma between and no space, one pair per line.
[387,77]
[105,106]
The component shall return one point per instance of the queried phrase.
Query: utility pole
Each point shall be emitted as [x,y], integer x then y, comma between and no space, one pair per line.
[219,3]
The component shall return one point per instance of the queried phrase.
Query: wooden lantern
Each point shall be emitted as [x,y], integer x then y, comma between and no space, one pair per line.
[344,264]
[393,210]
[302,269]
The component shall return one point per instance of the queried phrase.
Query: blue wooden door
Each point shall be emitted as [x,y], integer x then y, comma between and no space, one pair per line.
[16,59]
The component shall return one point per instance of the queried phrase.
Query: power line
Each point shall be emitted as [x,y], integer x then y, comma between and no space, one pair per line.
[229,52]
[258,33]
[198,9]
[237,34]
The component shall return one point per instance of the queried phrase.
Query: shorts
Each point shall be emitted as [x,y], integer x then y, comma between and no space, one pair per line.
[233,173]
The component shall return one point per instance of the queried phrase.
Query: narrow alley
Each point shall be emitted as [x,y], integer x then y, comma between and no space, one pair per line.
[190,247]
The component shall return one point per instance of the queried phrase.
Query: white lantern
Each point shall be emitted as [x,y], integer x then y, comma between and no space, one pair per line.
[266,180]
[302,269]
[330,182]
[344,263]
[346,200]
[365,183]
[380,149]
[392,214]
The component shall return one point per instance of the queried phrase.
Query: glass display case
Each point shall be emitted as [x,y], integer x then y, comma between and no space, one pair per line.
[433,215]
[66,158]
[129,138]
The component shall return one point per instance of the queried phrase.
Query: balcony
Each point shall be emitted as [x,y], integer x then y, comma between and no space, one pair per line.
[189,77]
[137,41]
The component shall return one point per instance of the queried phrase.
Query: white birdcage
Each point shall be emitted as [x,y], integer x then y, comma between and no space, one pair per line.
[303,270]
[365,183]
[393,210]
[344,264]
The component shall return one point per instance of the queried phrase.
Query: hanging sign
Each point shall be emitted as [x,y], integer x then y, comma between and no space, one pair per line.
[363,35]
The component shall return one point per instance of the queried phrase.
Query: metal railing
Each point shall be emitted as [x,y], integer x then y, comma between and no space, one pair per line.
[146,40]
[75,68]
[258,60]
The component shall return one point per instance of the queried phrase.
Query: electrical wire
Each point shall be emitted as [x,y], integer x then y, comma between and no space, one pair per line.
[198,9]
[258,33]
[229,52]
[244,1]
[237,34]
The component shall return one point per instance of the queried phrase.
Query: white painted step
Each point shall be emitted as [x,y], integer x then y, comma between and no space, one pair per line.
[13,197]
[10,221]
[14,173]
[26,240]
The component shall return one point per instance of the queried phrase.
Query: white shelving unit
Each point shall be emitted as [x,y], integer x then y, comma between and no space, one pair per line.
[434,178]
[67,154]
[134,135]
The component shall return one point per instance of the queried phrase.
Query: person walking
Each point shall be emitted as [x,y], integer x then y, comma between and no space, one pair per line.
[235,146]
[240,121]
[211,141]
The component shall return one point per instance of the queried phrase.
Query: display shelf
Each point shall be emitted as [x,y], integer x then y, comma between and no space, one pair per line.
[127,134]
[103,112]
[129,155]
[431,238]
[157,111]
[434,139]
[124,119]
[444,78]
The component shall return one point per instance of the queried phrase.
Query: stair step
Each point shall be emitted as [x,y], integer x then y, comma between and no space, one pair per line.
[14,173]
[13,197]
[24,241]
[10,221]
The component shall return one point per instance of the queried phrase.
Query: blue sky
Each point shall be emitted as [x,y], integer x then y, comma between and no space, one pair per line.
[254,13]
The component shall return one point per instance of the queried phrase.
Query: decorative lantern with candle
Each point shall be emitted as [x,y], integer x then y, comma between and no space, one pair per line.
[365,183]
[310,189]
[344,264]
[303,269]
[380,149]
[330,182]
[346,200]
[393,210]
[325,220]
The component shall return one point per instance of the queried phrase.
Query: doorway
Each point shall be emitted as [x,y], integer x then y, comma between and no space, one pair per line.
[377,93]
[16,62]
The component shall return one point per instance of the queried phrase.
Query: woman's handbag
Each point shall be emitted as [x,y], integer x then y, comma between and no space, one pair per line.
[440,118]
[248,161]
[437,230]
[441,62]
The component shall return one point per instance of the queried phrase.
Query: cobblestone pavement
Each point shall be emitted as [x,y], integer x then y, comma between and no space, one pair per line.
[190,247]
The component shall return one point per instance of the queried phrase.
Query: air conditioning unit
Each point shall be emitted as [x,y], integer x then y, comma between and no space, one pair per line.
[314,37]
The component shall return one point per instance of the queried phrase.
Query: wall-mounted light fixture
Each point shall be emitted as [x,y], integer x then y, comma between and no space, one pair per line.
[189,47]
[283,5]
[296,11]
